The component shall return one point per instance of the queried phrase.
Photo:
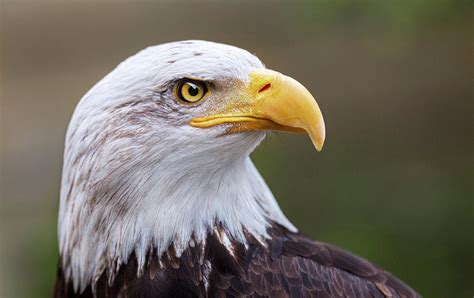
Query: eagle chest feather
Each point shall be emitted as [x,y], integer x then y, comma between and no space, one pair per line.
[288,265]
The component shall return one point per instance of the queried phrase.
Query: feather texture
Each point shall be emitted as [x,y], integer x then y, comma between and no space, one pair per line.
[287,265]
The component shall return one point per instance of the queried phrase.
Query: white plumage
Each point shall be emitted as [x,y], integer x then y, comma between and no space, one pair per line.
[136,175]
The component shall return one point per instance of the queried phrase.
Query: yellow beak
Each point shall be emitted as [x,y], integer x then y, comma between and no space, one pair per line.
[271,101]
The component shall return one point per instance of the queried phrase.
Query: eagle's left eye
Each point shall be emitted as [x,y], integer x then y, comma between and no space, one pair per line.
[191,91]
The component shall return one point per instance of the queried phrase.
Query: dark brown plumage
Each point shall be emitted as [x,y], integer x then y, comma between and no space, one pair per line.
[289,265]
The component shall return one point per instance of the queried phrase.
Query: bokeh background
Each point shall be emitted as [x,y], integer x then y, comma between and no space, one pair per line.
[393,184]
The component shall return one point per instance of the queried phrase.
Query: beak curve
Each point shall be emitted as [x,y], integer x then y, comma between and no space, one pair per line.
[272,101]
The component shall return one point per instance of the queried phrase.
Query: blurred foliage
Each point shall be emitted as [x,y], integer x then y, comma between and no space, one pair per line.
[394,183]
[383,16]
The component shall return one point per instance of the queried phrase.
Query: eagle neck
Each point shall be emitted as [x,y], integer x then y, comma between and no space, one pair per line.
[175,207]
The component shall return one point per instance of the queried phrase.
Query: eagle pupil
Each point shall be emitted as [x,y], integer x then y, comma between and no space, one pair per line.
[193,90]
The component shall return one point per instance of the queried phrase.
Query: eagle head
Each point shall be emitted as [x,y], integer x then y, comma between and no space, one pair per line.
[157,153]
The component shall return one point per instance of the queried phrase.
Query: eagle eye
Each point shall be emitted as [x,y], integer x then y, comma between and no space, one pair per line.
[191,91]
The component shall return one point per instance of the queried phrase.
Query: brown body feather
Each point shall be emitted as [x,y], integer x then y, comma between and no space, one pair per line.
[290,265]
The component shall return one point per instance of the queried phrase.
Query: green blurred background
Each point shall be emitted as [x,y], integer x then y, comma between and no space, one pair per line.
[394,80]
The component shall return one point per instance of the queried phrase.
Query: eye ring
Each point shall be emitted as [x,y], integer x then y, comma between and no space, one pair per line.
[191,91]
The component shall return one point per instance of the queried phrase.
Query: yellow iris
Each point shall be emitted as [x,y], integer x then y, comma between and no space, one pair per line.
[191,91]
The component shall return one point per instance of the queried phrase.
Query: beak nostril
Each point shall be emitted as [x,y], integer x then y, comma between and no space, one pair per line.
[265,87]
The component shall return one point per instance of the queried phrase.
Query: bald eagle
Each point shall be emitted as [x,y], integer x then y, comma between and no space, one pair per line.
[159,197]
